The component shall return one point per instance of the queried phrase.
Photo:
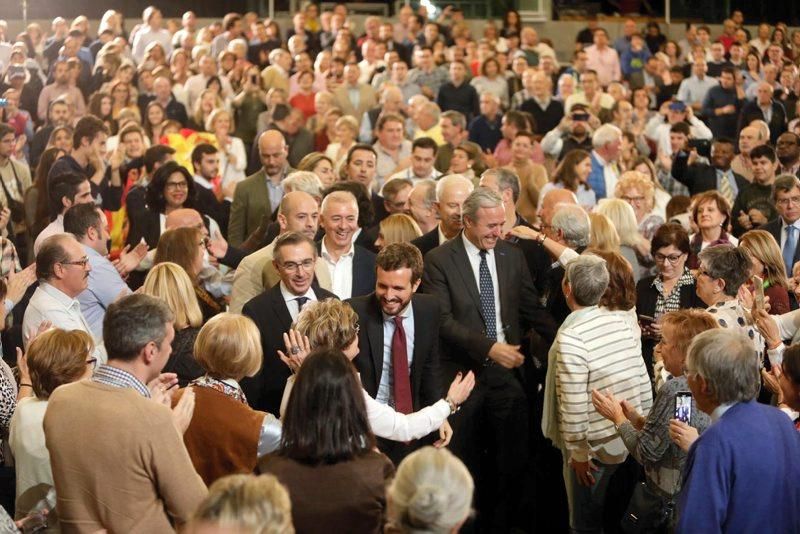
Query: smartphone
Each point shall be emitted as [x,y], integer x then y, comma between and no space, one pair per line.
[647,320]
[683,406]
[758,287]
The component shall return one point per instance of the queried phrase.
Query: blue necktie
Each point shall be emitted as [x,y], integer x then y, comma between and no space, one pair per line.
[789,248]
[487,298]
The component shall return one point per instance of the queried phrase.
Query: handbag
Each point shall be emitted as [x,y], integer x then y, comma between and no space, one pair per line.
[17,208]
[647,511]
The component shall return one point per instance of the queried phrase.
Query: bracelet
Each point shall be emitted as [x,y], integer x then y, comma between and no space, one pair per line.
[453,406]
[25,385]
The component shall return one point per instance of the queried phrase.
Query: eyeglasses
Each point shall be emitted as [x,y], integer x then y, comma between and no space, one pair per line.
[82,262]
[293,267]
[177,185]
[92,362]
[787,201]
[633,199]
[672,258]
[701,272]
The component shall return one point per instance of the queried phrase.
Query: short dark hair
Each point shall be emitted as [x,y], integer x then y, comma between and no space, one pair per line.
[425,142]
[671,234]
[155,189]
[727,70]
[88,126]
[280,112]
[400,256]
[783,184]
[326,418]
[360,146]
[724,141]
[156,154]
[763,151]
[79,218]
[291,239]
[229,20]
[61,186]
[132,322]
[201,150]
[51,251]
[681,128]
[6,129]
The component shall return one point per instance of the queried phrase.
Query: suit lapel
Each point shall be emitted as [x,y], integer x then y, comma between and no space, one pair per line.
[375,336]
[420,342]
[463,266]
[278,305]
[503,275]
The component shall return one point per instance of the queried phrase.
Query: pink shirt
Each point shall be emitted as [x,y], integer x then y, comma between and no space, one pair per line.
[503,156]
[605,62]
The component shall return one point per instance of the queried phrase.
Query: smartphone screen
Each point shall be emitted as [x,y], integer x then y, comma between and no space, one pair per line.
[683,406]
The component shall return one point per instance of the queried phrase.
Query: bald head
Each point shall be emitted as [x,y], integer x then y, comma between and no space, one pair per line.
[299,212]
[273,151]
[184,218]
[553,198]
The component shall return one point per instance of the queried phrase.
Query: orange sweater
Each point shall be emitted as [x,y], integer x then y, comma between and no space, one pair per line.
[118,461]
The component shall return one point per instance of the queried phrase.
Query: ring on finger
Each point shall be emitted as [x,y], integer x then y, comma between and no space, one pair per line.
[295,350]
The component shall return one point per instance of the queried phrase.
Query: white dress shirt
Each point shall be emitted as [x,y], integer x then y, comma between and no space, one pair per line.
[386,386]
[474,255]
[51,304]
[55,227]
[796,224]
[291,300]
[341,271]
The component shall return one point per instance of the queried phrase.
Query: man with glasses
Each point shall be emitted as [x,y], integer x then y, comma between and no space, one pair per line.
[105,285]
[274,311]
[786,227]
[62,268]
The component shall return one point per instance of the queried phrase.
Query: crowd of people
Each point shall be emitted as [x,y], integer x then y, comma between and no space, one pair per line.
[398,275]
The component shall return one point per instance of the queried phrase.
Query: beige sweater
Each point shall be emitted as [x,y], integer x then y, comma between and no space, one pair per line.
[118,462]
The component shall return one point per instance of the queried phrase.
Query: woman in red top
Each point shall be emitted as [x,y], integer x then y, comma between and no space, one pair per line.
[304,98]
[768,265]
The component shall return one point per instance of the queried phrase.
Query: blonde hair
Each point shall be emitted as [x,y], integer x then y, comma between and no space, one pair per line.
[431,492]
[214,115]
[248,503]
[348,121]
[170,283]
[328,323]
[762,246]
[198,107]
[229,346]
[399,228]
[603,235]
[58,357]
[622,216]
[637,180]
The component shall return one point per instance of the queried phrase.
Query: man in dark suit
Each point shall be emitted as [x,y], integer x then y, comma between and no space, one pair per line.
[488,302]
[351,266]
[786,227]
[398,275]
[205,161]
[451,191]
[767,109]
[700,177]
[788,151]
[275,310]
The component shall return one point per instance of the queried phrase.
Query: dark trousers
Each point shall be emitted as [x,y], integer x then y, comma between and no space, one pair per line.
[490,435]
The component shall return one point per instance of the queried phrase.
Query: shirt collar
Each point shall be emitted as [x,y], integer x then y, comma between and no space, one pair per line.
[326,255]
[288,296]
[720,410]
[58,295]
[472,250]
[796,224]
[113,376]
[599,158]
[200,180]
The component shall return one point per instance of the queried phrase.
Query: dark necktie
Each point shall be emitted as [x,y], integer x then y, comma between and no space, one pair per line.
[300,302]
[402,381]
[487,298]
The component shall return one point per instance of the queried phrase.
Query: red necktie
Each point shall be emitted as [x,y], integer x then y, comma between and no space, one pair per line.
[402,381]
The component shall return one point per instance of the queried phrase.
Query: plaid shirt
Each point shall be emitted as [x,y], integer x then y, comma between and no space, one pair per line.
[115,377]
[432,80]
[9,261]
[670,184]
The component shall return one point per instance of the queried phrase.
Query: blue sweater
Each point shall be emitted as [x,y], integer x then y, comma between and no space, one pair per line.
[743,474]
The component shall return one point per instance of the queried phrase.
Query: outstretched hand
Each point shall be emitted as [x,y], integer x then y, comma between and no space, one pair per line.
[297,347]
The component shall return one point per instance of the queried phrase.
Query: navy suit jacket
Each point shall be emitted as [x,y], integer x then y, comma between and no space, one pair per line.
[774,227]
[426,243]
[743,474]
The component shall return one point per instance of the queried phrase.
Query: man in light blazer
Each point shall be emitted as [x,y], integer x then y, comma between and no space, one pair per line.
[354,98]
[262,192]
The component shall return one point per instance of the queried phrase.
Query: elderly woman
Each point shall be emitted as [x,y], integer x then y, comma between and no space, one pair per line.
[54,358]
[431,492]
[768,265]
[672,287]
[225,435]
[723,269]
[711,214]
[332,323]
[170,283]
[647,438]
[638,190]
[327,457]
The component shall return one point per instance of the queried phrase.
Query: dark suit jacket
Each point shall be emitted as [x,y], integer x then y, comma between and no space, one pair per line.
[777,124]
[699,177]
[207,204]
[269,312]
[425,373]
[449,277]
[427,242]
[363,270]
[774,227]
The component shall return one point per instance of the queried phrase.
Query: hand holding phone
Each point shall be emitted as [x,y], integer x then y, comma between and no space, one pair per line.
[683,406]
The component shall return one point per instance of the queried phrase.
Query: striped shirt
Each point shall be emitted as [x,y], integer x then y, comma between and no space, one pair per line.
[600,350]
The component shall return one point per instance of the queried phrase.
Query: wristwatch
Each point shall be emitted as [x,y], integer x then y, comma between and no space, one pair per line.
[453,406]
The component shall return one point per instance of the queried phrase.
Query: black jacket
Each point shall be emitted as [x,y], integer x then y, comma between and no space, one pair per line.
[363,270]
[699,177]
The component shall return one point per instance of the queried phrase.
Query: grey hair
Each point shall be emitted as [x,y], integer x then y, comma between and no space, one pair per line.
[607,133]
[482,197]
[430,192]
[506,179]
[574,223]
[132,322]
[452,179]
[725,358]
[305,181]
[458,119]
[728,263]
[588,278]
